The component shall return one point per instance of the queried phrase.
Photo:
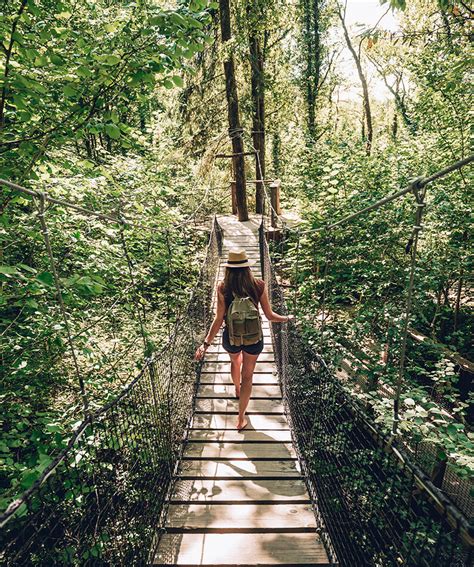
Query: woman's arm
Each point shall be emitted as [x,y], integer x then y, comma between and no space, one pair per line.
[216,325]
[267,309]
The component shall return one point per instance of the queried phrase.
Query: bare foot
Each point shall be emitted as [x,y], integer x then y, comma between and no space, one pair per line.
[241,424]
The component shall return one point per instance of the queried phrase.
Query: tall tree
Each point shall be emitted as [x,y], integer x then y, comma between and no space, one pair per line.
[367,114]
[313,59]
[235,129]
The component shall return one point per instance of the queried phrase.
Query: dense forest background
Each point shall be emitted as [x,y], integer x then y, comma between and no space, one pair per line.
[120,107]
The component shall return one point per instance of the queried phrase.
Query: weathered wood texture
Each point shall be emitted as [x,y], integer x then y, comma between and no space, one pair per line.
[239,496]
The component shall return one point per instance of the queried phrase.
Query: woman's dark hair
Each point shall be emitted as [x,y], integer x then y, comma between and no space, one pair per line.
[241,282]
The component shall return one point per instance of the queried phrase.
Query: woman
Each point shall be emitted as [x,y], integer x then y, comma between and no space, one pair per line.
[240,282]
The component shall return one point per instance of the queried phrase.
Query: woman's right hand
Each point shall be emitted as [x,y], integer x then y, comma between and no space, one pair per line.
[200,352]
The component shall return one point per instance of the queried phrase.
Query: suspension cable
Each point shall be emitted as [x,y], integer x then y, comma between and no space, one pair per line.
[295,298]
[419,182]
[141,313]
[45,197]
[122,219]
[329,241]
[420,193]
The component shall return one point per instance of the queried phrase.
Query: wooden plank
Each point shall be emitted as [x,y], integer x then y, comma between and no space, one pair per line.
[210,405]
[244,517]
[249,247]
[224,378]
[216,490]
[206,450]
[270,548]
[235,233]
[240,469]
[212,366]
[229,420]
[227,391]
[254,242]
[234,435]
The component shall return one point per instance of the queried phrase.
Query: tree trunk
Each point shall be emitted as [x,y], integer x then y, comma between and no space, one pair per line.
[309,67]
[394,125]
[457,305]
[312,42]
[363,82]
[235,130]
[8,49]
[276,146]
[258,103]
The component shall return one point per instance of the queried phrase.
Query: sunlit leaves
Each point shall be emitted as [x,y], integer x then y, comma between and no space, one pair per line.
[88,61]
[113,131]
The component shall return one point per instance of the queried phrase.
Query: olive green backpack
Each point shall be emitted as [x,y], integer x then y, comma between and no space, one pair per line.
[243,322]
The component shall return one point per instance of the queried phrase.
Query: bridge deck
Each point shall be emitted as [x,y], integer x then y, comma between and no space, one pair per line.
[240,498]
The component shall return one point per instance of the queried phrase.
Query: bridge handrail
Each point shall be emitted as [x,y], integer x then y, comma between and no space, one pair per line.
[322,416]
[157,390]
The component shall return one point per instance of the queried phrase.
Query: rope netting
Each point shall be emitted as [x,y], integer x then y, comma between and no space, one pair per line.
[372,503]
[101,501]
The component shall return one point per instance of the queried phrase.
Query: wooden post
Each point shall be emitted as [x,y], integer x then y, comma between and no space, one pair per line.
[275,201]
[233,188]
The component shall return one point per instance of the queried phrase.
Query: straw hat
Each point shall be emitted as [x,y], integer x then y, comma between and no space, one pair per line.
[238,259]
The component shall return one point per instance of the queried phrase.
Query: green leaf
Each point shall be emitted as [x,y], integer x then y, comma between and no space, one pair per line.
[56,59]
[112,131]
[28,479]
[69,90]
[46,278]
[83,71]
[452,431]
[112,26]
[112,60]
[177,80]
[8,270]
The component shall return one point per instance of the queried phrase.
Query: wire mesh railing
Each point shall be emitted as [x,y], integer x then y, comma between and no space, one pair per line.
[373,504]
[101,501]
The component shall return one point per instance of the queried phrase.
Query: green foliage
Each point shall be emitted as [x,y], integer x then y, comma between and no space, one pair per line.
[78,105]
[121,106]
[74,72]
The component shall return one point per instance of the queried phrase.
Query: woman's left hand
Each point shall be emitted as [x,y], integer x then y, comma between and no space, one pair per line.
[200,352]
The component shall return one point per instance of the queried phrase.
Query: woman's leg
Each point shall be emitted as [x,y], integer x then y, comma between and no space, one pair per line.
[235,370]
[248,367]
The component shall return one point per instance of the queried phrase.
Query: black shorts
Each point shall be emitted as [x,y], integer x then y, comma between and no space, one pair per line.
[249,349]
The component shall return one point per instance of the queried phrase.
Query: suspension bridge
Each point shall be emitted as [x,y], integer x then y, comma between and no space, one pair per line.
[159,475]
[240,497]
